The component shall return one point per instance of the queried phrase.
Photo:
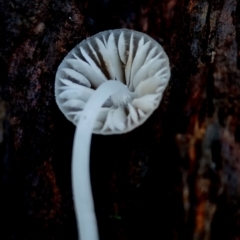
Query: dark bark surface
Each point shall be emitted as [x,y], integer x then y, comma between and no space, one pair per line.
[177,177]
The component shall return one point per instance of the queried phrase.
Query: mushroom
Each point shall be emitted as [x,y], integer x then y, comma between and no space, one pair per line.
[110,83]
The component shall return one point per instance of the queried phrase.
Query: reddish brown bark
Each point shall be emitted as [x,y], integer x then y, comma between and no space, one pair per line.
[175,177]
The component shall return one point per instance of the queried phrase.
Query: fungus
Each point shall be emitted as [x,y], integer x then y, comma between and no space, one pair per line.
[110,83]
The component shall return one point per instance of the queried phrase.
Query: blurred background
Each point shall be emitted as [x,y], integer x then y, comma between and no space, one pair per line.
[176,177]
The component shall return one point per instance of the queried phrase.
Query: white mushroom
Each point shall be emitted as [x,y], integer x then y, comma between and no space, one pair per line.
[108,84]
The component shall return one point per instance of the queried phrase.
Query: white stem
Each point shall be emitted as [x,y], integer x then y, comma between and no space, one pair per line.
[83,200]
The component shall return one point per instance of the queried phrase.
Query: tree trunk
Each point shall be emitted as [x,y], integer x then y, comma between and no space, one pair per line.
[177,177]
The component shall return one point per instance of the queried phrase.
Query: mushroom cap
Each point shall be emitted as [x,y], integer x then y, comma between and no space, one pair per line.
[124,55]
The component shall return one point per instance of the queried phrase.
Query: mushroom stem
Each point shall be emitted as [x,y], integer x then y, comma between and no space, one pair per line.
[83,199]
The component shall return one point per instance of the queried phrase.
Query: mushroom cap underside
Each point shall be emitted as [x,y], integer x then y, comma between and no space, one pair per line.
[128,56]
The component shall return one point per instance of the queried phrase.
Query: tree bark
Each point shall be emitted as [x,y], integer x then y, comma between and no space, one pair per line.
[176,177]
